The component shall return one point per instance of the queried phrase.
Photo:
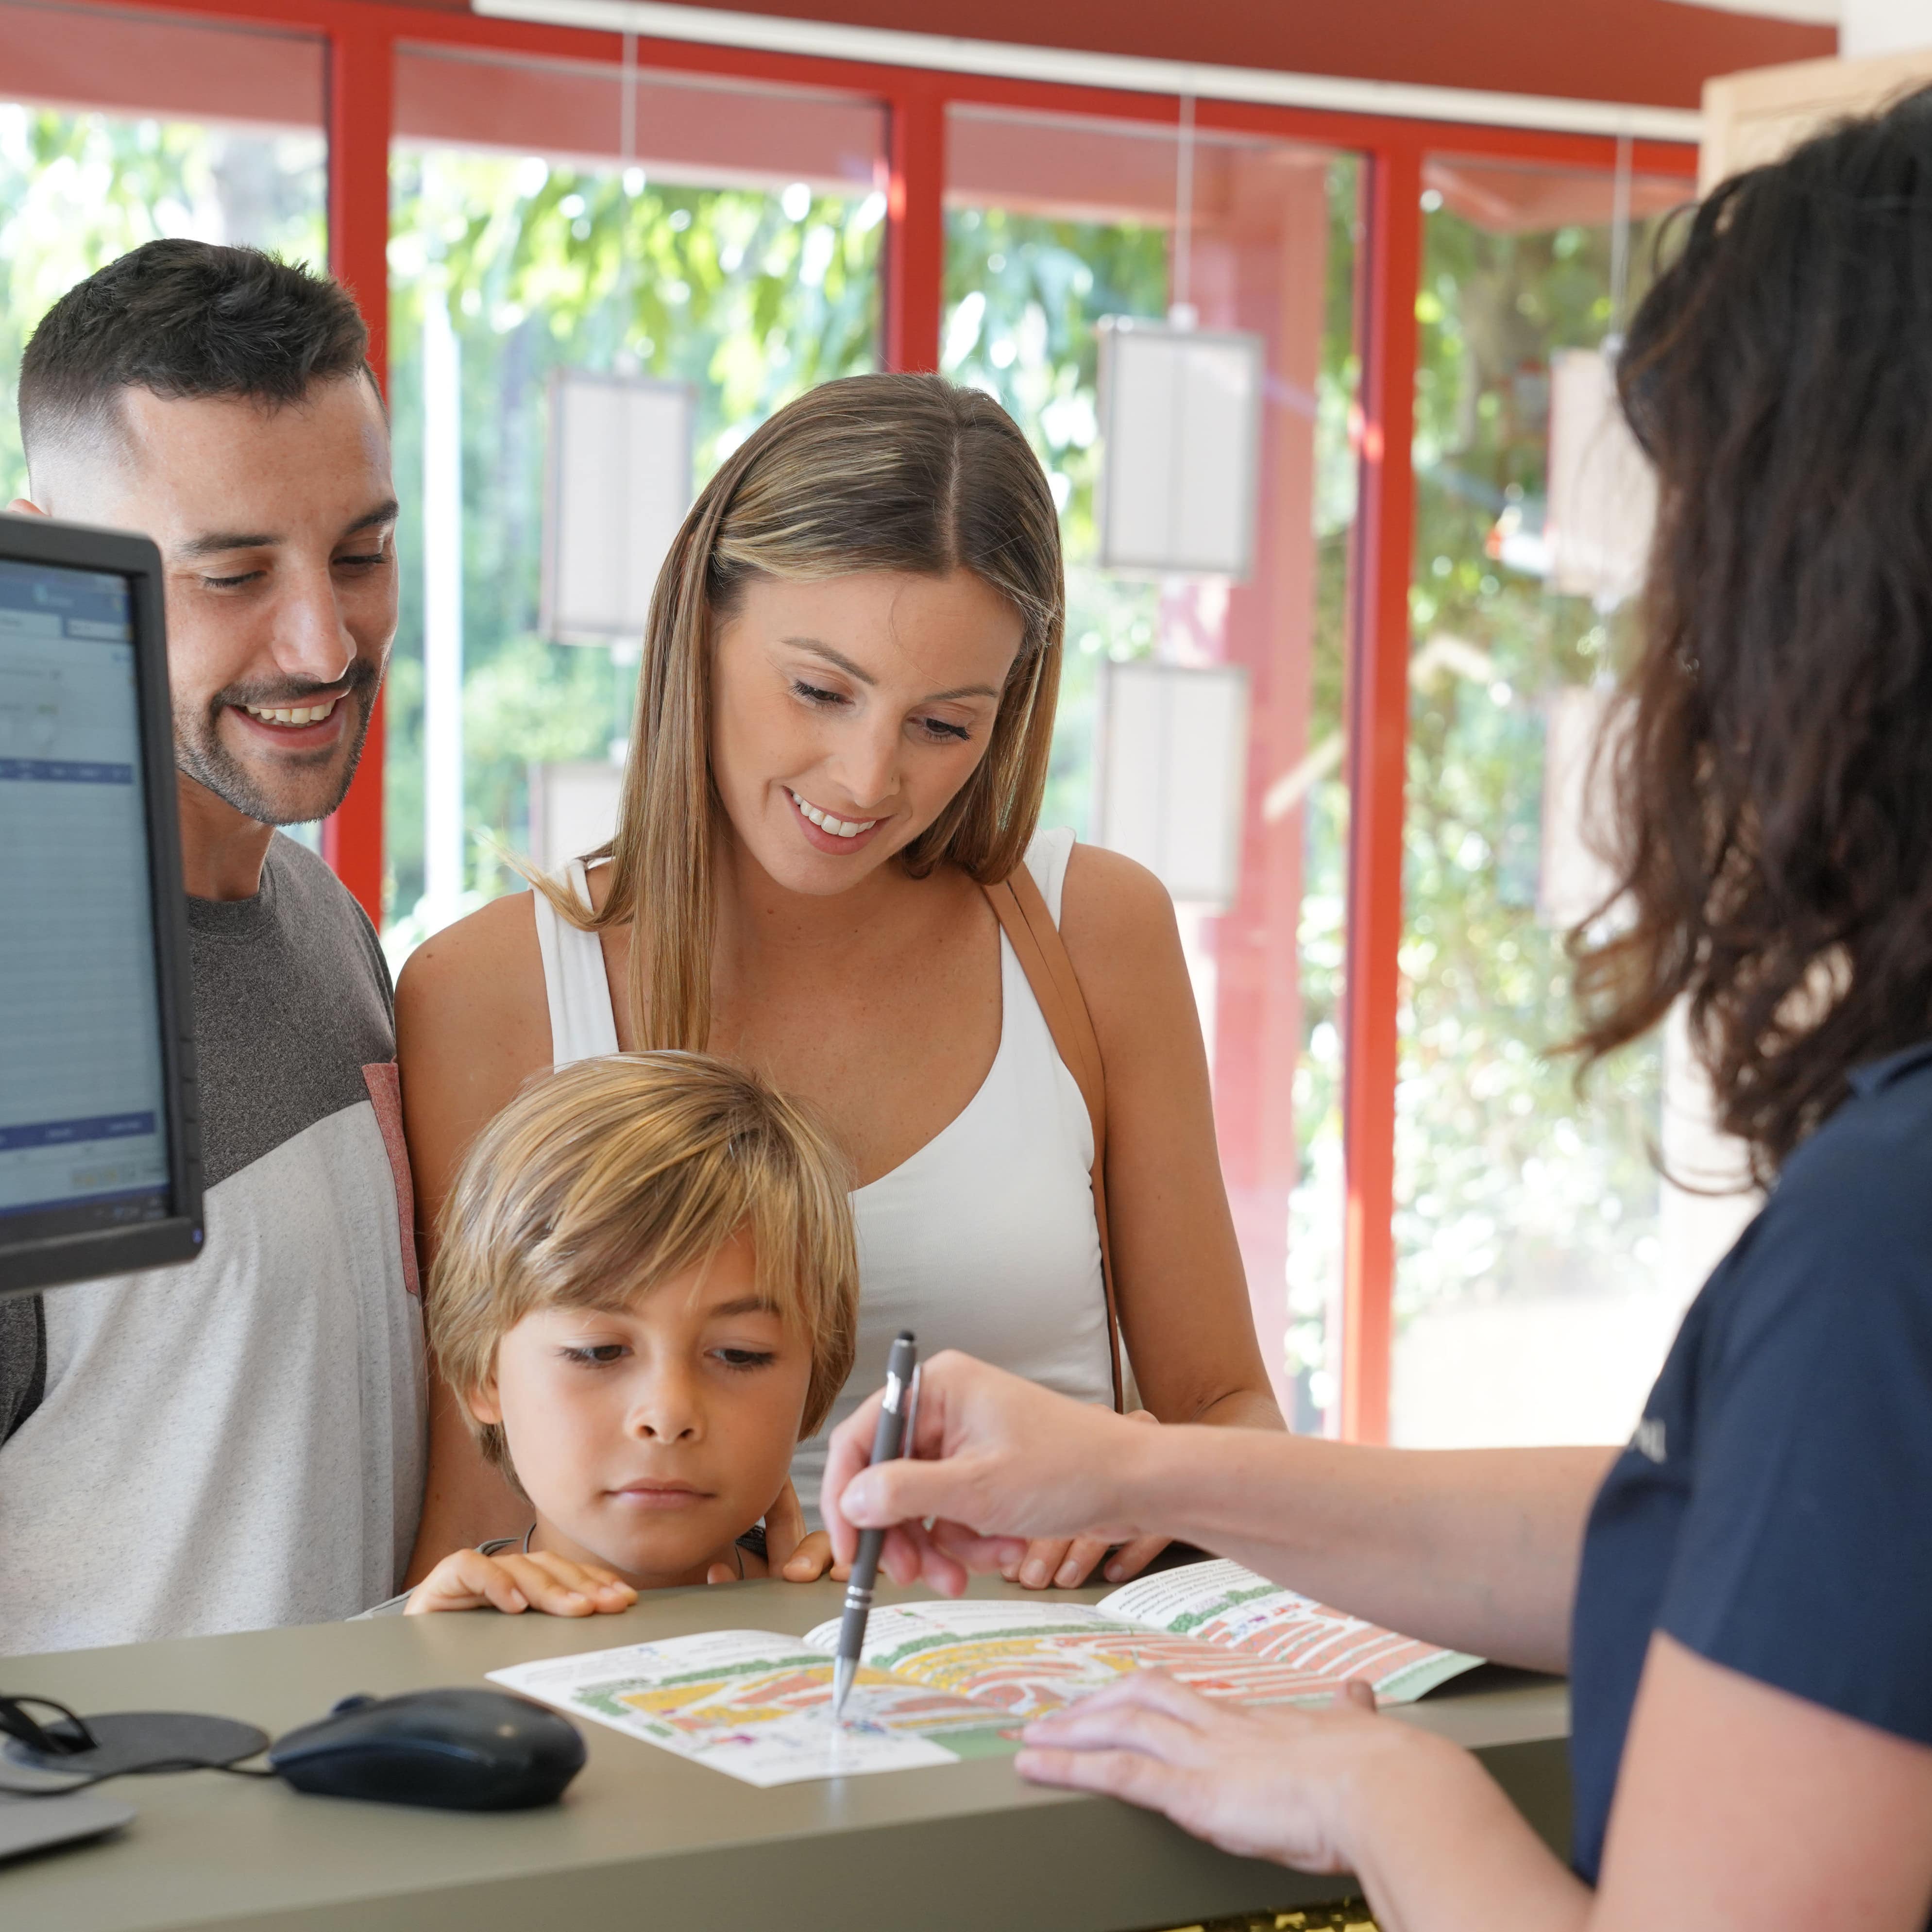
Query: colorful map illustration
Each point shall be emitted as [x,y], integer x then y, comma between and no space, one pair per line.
[1225,1604]
[941,1682]
[758,1705]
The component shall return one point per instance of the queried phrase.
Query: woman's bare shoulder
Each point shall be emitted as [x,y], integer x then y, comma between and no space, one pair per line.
[1109,901]
[478,982]
[1119,926]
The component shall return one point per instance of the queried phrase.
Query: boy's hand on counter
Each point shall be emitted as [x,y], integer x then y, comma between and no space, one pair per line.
[1066,1562]
[511,1581]
[793,1553]
[811,1560]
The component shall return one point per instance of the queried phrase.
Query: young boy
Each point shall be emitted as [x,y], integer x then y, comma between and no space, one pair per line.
[645,1295]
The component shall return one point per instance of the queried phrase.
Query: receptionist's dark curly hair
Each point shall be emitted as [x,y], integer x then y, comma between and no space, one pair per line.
[1776,772]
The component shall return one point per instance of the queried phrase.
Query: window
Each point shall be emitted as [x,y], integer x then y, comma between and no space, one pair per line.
[1054,222]
[558,215]
[116,129]
[569,210]
[1531,1303]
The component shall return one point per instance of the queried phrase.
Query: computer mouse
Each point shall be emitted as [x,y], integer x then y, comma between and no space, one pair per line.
[458,1750]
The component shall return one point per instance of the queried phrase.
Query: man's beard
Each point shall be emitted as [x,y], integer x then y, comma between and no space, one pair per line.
[202,756]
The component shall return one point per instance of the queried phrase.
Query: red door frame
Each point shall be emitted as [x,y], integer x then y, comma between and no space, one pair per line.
[362,37]
[1377,710]
[360,87]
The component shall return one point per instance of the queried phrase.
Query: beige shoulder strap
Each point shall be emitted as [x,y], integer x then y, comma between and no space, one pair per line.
[1021,911]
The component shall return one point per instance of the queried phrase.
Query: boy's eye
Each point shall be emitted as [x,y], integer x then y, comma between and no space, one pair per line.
[596,1354]
[231,583]
[746,1358]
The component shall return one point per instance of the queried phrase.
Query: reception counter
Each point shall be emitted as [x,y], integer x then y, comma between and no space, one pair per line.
[643,1838]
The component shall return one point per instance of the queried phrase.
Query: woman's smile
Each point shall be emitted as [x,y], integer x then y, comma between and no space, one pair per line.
[825,832]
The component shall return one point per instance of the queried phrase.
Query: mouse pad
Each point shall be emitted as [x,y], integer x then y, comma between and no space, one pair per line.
[130,1741]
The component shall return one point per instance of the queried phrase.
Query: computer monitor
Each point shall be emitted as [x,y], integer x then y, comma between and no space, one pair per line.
[99,1156]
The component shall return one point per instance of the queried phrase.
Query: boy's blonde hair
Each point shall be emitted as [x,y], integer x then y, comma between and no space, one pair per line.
[600,1180]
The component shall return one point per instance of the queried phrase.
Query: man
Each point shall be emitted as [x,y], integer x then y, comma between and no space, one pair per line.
[237,1442]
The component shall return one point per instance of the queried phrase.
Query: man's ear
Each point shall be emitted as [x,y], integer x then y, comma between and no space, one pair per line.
[482,1403]
[22,507]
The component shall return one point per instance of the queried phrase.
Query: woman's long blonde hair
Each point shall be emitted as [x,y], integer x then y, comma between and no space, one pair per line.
[872,473]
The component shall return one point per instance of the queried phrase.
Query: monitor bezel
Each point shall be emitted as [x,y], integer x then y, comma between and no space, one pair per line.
[50,1261]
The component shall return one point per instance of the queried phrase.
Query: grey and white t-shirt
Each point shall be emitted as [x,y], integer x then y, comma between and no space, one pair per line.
[238,1442]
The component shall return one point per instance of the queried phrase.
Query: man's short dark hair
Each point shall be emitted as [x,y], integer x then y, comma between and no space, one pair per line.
[184,318]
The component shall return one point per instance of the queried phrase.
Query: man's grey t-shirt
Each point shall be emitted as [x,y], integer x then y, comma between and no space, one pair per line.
[237,1442]
[23,1360]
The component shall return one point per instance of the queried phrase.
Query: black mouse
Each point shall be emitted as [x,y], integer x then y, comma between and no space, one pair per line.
[458,1751]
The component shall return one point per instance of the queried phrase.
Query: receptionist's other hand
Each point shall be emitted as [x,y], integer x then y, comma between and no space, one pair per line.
[1270,1783]
[1065,1563]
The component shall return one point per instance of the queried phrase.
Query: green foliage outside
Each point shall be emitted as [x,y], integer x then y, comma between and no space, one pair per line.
[77,189]
[1507,1181]
[1024,294]
[750,298]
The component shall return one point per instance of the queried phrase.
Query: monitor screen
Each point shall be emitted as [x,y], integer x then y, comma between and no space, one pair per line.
[91,1050]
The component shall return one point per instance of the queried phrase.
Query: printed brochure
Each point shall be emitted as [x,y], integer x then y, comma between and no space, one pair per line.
[941,1681]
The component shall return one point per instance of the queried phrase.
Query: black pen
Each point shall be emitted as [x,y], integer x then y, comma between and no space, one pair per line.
[889,1440]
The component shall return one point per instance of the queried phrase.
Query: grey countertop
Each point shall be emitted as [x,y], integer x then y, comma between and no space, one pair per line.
[643,1837]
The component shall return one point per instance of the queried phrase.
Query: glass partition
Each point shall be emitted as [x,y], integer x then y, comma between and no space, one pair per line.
[1054,222]
[116,129]
[549,216]
[1532,1303]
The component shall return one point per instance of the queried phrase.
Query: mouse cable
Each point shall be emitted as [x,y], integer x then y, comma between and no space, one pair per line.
[130,1770]
[19,1724]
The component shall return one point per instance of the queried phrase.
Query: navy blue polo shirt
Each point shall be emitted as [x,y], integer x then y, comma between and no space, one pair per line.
[1773,1512]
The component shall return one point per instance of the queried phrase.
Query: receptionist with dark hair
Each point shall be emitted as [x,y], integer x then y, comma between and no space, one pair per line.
[1742,1597]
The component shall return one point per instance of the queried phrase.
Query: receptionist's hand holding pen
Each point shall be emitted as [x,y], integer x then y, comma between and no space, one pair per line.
[1476,1550]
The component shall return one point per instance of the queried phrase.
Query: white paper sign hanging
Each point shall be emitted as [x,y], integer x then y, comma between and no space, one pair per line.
[619,484]
[573,808]
[1603,496]
[1171,774]
[1580,805]
[1180,413]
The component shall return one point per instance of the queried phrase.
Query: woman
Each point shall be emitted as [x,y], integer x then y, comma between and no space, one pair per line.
[844,712]
[1742,1597]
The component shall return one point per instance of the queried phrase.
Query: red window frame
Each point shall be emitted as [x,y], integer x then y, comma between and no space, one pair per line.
[362,37]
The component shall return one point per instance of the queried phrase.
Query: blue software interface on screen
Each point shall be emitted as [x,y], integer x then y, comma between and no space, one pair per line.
[83,1127]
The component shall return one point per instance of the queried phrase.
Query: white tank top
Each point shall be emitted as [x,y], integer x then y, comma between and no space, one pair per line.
[985,1239]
